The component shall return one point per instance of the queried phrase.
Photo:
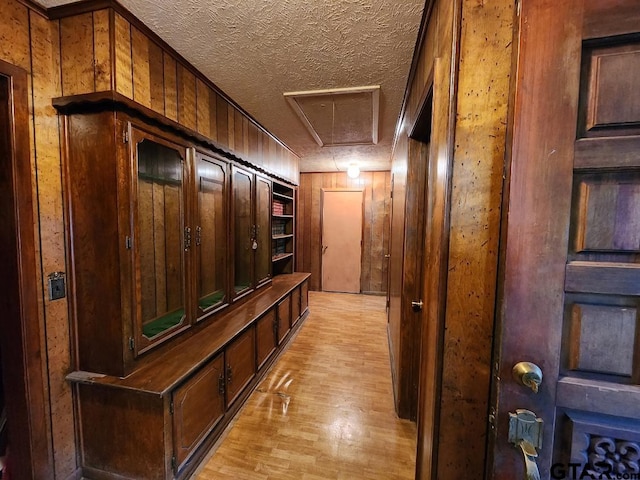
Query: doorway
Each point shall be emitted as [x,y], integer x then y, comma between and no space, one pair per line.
[21,371]
[342,214]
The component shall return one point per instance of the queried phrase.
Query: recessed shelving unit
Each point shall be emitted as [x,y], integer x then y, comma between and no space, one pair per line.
[282,228]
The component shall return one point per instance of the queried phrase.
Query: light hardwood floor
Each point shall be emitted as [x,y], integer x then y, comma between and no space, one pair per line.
[325,411]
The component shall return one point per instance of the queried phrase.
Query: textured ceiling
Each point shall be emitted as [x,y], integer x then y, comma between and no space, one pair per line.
[255,50]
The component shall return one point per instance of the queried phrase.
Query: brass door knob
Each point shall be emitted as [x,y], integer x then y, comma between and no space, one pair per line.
[528,374]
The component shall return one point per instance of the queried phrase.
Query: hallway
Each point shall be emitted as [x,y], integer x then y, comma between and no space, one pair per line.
[325,411]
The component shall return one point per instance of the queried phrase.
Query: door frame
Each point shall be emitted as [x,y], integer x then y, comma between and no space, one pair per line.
[322,193]
[27,405]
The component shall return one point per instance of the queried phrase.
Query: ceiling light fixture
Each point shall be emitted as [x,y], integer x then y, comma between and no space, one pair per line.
[353,171]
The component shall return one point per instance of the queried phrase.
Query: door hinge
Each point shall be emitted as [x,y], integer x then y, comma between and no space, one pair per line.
[275,329]
[171,407]
[128,243]
[221,384]
[173,463]
[125,136]
[132,344]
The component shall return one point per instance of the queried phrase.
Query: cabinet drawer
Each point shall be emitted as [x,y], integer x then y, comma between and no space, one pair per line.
[284,318]
[241,364]
[266,336]
[198,405]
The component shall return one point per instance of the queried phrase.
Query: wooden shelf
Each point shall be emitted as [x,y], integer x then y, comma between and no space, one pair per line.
[281,256]
[282,196]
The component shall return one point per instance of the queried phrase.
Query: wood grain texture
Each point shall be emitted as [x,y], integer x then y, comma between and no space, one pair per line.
[476,198]
[14,34]
[141,67]
[76,45]
[222,121]
[186,85]
[124,63]
[170,67]
[203,118]
[45,52]
[322,412]
[102,51]
[156,77]
[375,240]
[24,393]
[147,71]
[31,42]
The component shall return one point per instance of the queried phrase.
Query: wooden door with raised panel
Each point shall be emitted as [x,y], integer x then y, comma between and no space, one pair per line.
[571,264]
[240,368]
[266,340]
[198,405]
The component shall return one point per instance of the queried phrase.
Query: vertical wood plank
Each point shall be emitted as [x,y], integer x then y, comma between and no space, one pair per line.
[315,282]
[260,154]
[366,179]
[238,129]
[231,130]
[124,66]
[213,115]
[45,58]
[203,109]
[253,143]
[377,260]
[14,37]
[186,97]
[101,50]
[156,77]
[76,34]
[245,135]
[170,87]
[141,71]
[222,117]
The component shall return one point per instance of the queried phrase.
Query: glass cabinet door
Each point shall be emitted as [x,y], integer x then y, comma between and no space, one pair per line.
[211,233]
[263,229]
[161,239]
[244,241]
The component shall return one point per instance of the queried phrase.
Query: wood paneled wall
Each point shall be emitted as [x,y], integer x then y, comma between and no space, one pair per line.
[108,49]
[92,52]
[30,41]
[376,225]
[465,52]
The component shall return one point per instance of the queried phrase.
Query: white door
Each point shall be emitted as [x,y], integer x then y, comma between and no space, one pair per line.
[341,240]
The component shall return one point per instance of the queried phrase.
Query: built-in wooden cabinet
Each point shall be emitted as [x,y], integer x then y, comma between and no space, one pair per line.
[159,421]
[283,228]
[175,310]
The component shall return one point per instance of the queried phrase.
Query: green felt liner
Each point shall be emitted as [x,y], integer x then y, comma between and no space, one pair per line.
[163,323]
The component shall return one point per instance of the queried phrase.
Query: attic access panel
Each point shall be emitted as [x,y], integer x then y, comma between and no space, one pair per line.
[340,116]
